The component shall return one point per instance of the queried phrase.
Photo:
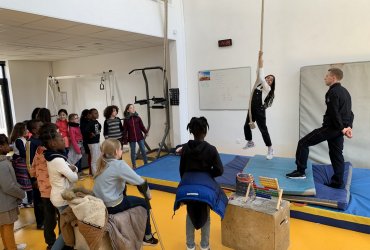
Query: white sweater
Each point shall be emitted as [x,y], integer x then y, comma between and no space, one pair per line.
[61,177]
[262,82]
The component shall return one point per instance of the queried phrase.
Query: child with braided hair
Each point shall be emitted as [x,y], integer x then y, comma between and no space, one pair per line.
[200,163]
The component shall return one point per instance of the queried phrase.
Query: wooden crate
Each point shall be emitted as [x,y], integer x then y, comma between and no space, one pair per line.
[256,225]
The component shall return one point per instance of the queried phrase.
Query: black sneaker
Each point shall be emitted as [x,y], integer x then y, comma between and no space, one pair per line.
[151,242]
[296,175]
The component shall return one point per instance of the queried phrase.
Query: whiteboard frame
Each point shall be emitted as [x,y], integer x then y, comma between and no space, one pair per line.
[248,88]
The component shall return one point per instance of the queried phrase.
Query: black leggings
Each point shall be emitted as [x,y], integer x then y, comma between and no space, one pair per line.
[258,116]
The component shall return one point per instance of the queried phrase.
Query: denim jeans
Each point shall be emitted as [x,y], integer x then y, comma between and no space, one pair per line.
[133,152]
[130,202]
[205,231]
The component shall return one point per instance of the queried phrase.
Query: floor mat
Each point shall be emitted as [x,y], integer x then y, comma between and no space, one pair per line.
[278,167]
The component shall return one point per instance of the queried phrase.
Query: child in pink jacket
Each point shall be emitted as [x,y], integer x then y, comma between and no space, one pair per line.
[75,136]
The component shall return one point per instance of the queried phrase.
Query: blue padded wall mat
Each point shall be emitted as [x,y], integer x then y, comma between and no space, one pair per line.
[278,167]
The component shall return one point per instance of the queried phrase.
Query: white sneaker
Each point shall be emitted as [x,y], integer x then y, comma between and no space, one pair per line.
[250,144]
[21,246]
[270,154]
[207,248]
[188,248]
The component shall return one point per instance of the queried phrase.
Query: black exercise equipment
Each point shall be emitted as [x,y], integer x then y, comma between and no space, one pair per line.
[160,103]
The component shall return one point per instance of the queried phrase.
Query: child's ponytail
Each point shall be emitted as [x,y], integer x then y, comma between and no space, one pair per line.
[108,152]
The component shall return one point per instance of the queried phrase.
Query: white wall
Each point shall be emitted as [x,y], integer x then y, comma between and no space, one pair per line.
[28,86]
[140,16]
[129,85]
[297,33]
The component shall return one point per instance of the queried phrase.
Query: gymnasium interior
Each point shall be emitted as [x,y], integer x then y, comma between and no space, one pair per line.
[179,59]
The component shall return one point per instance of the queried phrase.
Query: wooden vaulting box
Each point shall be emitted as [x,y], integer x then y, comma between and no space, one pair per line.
[256,225]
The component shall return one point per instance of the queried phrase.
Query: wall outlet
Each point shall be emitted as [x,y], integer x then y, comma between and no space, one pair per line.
[238,141]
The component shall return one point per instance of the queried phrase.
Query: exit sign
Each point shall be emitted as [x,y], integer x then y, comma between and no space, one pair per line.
[225,43]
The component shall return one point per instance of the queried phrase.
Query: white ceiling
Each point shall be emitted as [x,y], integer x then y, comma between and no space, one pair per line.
[25,36]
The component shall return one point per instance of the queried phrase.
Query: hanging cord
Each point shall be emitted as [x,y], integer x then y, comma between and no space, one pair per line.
[252,125]
[120,102]
[111,87]
[262,24]
[56,83]
[165,81]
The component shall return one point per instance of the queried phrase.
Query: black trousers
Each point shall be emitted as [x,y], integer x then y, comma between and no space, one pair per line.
[335,140]
[50,221]
[258,116]
[37,206]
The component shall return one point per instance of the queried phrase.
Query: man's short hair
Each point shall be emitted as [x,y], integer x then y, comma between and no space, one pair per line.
[338,73]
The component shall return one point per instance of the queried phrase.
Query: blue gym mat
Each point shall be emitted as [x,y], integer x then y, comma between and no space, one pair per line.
[355,217]
[163,174]
[325,195]
[278,167]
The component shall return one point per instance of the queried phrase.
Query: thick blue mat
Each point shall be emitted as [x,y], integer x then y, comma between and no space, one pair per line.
[355,217]
[325,195]
[278,167]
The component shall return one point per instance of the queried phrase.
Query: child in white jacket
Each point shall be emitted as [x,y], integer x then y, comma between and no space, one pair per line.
[61,174]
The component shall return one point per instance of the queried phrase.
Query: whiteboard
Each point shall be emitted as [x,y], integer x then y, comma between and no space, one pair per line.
[224,88]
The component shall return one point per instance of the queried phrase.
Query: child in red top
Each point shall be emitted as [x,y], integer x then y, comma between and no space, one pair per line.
[62,125]
[75,136]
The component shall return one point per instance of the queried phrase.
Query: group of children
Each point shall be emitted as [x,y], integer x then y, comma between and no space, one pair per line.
[47,159]
[52,173]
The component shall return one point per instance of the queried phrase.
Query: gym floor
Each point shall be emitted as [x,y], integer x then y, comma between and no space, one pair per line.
[304,235]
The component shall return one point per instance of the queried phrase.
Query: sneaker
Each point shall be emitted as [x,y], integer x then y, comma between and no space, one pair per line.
[206,248]
[150,242]
[296,175]
[21,246]
[190,248]
[270,153]
[28,205]
[250,144]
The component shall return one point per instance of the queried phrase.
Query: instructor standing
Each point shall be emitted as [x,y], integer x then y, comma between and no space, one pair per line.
[337,122]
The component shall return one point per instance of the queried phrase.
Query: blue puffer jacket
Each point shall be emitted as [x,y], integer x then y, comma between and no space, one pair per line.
[197,190]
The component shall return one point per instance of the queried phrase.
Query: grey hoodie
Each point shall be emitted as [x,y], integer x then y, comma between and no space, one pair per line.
[10,190]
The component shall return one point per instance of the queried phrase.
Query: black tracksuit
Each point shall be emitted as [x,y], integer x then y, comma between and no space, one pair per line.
[338,116]
[258,116]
